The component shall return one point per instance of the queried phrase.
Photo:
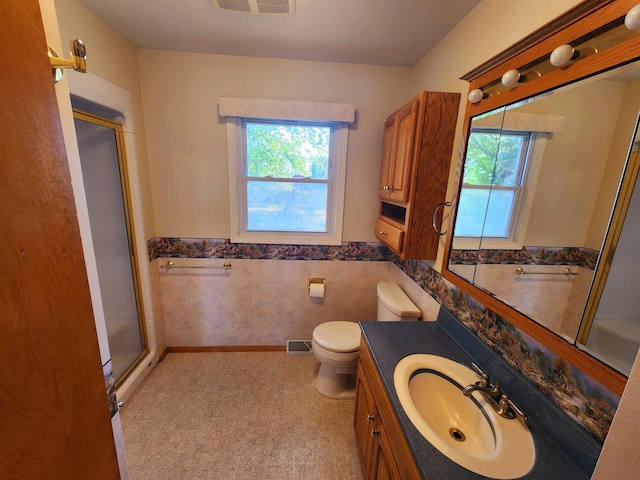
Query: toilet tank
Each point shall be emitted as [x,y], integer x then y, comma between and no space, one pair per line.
[393,304]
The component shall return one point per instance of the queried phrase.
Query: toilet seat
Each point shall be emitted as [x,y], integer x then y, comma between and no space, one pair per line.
[338,336]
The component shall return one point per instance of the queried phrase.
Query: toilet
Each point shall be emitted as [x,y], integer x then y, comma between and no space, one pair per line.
[336,345]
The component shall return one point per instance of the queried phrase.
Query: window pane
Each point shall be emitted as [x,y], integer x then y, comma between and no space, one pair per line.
[475,219]
[494,158]
[471,211]
[287,151]
[498,213]
[508,160]
[287,206]
[481,158]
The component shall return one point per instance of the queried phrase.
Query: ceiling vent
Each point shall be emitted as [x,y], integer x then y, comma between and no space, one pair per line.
[270,7]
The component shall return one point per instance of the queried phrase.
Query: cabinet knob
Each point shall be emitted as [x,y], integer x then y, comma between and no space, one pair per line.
[370,417]
[386,188]
[375,432]
[382,233]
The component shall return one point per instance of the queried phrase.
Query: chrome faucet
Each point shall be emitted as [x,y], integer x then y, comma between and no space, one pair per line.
[483,385]
[500,402]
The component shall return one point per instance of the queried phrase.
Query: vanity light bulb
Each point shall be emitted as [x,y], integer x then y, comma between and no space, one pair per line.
[476,95]
[632,19]
[562,55]
[511,78]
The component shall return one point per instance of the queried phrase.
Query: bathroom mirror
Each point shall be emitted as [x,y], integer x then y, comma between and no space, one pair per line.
[539,185]
[539,175]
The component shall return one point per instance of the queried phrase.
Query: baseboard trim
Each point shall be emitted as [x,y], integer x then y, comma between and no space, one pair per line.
[163,354]
[228,348]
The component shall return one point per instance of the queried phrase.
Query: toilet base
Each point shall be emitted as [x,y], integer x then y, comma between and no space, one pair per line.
[335,385]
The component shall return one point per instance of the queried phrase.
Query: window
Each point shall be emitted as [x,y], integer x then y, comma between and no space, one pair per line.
[286,175]
[505,154]
[496,177]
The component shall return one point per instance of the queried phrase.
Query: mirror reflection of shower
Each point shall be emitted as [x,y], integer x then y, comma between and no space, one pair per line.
[614,331]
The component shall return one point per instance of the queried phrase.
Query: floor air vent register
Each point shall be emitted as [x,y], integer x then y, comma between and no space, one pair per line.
[299,347]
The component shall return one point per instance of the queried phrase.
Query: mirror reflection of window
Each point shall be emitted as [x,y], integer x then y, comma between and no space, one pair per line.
[494,181]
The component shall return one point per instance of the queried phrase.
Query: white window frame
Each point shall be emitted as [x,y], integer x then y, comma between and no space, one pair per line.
[339,116]
[540,126]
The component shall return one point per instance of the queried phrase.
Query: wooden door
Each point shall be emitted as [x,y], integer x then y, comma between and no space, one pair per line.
[406,118]
[388,150]
[385,466]
[364,421]
[55,415]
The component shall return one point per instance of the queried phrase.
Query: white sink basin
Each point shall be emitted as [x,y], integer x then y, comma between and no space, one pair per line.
[465,429]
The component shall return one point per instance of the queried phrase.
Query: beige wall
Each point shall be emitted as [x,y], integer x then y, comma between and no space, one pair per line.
[625,124]
[573,164]
[187,138]
[264,302]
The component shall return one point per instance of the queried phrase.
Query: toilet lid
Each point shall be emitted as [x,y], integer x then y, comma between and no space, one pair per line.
[339,337]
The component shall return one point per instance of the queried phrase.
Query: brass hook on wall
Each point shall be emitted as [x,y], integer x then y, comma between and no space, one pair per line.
[78,60]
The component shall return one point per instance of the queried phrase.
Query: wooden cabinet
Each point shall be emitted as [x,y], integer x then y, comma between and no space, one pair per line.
[397,148]
[416,154]
[384,454]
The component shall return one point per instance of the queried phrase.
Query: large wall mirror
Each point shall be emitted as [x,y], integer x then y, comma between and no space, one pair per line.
[545,227]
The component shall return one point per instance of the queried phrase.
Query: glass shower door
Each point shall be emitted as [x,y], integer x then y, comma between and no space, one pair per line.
[100,142]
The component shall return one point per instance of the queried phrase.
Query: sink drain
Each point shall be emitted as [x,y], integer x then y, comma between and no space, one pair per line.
[457,435]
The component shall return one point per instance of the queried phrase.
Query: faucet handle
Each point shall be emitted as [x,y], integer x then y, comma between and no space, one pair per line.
[477,369]
[509,410]
[484,377]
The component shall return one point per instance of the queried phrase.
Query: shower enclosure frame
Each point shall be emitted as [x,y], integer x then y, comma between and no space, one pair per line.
[130,231]
[95,89]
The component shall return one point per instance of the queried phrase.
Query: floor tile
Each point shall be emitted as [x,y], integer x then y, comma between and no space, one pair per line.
[236,416]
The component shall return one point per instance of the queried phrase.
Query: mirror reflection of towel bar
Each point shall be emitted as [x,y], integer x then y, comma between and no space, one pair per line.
[170,264]
[566,271]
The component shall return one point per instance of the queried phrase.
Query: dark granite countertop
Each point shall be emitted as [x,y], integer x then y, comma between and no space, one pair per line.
[391,341]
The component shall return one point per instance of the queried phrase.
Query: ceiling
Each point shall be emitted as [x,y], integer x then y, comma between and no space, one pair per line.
[376,32]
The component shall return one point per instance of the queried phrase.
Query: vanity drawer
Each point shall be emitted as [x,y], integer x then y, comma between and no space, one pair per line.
[390,235]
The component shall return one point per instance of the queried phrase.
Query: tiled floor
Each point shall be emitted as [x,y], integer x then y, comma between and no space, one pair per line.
[228,416]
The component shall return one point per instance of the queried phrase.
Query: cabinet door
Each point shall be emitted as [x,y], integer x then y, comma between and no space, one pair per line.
[364,422]
[384,466]
[387,162]
[405,131]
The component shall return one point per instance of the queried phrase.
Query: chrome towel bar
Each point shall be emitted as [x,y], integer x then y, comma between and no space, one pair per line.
[566,271]
[170,264]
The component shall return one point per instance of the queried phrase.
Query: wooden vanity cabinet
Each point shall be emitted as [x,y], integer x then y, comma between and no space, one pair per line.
[383,451]
[416,154]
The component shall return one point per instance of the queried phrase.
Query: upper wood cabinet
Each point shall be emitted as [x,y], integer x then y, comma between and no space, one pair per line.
[416,155]
[397,150]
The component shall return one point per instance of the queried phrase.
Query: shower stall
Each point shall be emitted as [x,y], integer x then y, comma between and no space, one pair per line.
[106,145]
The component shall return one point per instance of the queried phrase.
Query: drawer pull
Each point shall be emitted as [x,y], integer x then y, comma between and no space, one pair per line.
[382,233]
[375,432]
[370,417]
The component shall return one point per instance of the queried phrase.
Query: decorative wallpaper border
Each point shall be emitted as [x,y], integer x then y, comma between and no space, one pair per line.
[586,401]
[223,248]
[578,256]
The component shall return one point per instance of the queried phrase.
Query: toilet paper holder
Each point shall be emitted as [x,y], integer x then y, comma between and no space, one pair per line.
[315,280]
